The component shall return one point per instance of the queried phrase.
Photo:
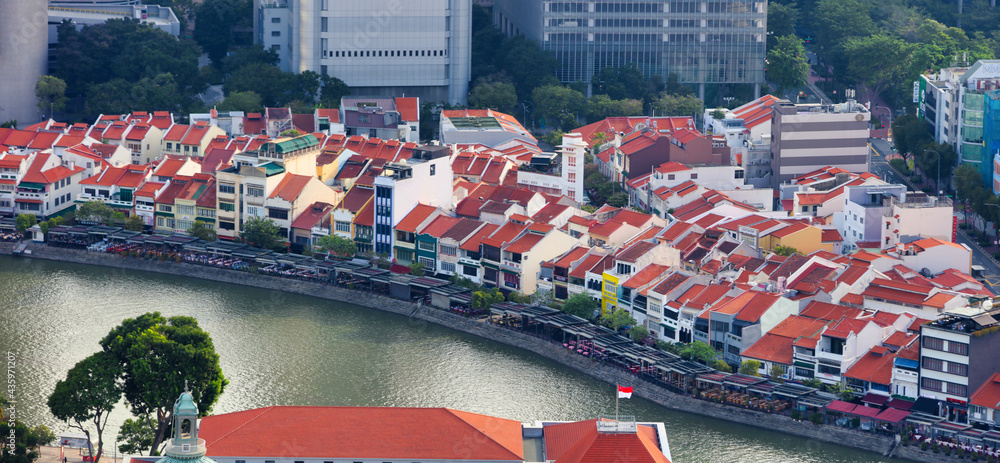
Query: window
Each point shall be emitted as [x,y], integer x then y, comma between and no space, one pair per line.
[805,208]
[448,267]
[255,191]
[933,343]
[170,146]
[279,214]
[670,176]
[185,210]
[166,208]
[432,169]
[694,176]
[227,189]
[275,48]
[449,250]
[203,212]
[273,21]
[958,369]
[223,225]
[931,384]
[932,364]
[323,24]
[428,263]
[624,269]
[278,33]
[342,226]
[254,211]
[959,348]
[426,246]
[470,271]
[228,207]
[957,389]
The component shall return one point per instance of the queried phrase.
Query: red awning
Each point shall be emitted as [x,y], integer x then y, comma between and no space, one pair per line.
[900,404]
[874,399]
[867,412]
[892,415]
[396,268]
[26,200]
[841,406]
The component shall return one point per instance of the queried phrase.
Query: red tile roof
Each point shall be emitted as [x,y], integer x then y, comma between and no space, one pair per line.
[35,174]
[290,187]
[636,251]
[988,395]
[580,442]
[648,274]
[439,226]
[416,216]
[471,243]
[580,271]
[874,367]
[366,216]
[409,108]
[369,433]
[771,348]
[312,215]
[827,311]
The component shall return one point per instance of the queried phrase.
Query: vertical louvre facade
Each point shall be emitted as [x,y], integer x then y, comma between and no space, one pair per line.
[713,41]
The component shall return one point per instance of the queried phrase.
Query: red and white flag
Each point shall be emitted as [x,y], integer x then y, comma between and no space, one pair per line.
[624,392]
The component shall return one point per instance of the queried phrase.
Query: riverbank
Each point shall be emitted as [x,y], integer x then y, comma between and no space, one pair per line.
[421,315]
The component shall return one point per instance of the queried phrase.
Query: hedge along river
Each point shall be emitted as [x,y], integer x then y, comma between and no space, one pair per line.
[285,349]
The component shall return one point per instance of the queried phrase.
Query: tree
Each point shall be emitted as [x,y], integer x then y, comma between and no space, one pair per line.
[136,435]
[750,367]
[722,366]
[241,57]
[619,199]
[877,61]
[835,21]
[248,102]
[581,305]
[555,101]
[87,396]
[910,134]
[698,351]
[785,250]
[519,298]
[638,333]
[264,79]
[24,448]
[51,94]
[332,90]
[617,319]
[483,300]
[600,107]
[718,114]
[786,63]
[777,373]
[94,211]
[677,105]
[814,383]
[159,358]
[781,21]
[528,66]
[622,82]
[260,233]
[214,24]
[134,223]
[25,221]
[501,96]
[338,245]
[932,155]
[417,269]
[118,96]
[50,224]
[202,231]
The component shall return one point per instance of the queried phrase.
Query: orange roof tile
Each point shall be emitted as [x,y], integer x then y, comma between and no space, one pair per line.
[370,433]
[290,187]
[580,442]
[416,216]
[988,395]
[874,367]
[472,242]
[439,226]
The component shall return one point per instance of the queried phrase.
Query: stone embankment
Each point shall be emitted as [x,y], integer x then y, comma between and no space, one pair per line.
[549,350]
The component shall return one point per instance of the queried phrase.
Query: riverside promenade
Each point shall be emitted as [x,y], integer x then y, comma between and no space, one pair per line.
[419,314]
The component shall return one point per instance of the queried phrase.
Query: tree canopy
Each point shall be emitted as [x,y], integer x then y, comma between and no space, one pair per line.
[338,245]
[87,396]
[618,319]
[202,231]
[51,94]
[698,351]
[260,232]
[750,367]
[215,23]
[786,63]
[669,104]
[498,95]
[94,211]
[581,305]
[158,357]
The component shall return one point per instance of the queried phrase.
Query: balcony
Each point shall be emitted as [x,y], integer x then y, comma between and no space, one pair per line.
[112,201]
[512,266]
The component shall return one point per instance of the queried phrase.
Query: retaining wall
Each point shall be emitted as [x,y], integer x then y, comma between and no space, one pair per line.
[552,351]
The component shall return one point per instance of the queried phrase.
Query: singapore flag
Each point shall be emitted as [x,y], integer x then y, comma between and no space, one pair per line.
[624,392]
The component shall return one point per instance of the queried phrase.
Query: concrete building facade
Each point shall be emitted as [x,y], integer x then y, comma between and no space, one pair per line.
[23,58]
[699,42]
[805,138]
[417,48]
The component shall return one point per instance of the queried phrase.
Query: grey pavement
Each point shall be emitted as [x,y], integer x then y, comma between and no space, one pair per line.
[879,165]
[991,277]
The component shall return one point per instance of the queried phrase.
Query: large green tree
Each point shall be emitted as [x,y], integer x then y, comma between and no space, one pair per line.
[338,245]
[134,223]
[51,94]
[877,61]
[581,305]
[933,156]
[215,21]
[118,96]
[618,319]
[159,357]
[87,396]
[135,435]
[25,221]
[202,231]
[600,107]
[623,82]
[781,21]
[787,67]
[699,351]
[255,54]
[750,367]
[261,233]
[331,91]
[530,67]
[501,96]
[555,102]
[910,134]
[677,105]
[94,211]
[248,102]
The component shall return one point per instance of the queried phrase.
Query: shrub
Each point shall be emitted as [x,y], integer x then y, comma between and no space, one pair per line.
[935,448]
[816,418]
[923,446]
[855,422]
[795,414]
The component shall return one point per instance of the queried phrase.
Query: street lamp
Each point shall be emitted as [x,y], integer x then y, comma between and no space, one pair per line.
[524,112]
[937,183]
[729,99]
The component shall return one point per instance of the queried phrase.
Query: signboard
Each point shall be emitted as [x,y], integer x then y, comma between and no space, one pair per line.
[954,229]
[916,91]
[745,230]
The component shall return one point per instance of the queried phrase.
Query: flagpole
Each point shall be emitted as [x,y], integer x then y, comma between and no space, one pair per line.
[617,397]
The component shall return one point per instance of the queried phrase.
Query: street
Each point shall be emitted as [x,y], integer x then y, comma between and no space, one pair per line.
[879,165]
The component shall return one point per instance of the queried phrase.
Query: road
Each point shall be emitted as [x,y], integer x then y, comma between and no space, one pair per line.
[992,274]
[879,165]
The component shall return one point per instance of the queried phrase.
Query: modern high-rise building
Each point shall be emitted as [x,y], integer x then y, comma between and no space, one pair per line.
[962,104]
[23,58]
[414,48]
[701,42]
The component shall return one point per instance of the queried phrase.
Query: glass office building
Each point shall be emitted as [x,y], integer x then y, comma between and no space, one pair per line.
[701,42]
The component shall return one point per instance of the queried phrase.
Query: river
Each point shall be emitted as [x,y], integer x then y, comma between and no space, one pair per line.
[285,349]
